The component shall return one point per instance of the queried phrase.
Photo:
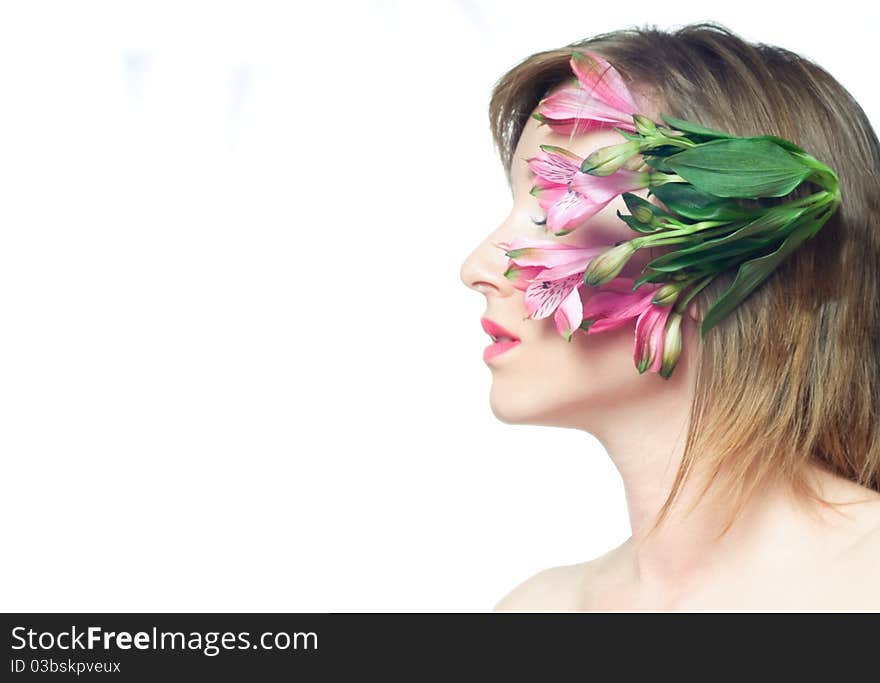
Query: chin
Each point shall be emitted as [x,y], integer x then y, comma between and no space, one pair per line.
[524,407]
[508,406]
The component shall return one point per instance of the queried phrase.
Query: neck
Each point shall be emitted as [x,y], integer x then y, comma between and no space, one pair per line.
[646,444]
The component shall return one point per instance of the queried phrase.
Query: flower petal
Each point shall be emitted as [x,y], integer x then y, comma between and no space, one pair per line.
[571,211]
[548,193]
[649,333]
[611,309]
[569,314]
[556,168]
[599,78]
[574,104]
[577,265]
[621,284]
[573,126]
[544,296]
[524,251]
[520,276]
[602,189]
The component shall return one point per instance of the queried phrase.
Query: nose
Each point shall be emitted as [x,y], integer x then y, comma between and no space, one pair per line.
[483,269]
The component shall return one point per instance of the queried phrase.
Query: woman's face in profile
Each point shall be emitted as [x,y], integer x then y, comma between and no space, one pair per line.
[544,379]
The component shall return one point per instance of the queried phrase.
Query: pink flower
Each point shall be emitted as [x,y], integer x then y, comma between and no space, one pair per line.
[600,98]
[551,274]
[616,305]
[569,197]
[555,165]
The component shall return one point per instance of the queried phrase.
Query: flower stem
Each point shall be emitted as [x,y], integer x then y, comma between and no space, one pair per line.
[681,304]
[671,236]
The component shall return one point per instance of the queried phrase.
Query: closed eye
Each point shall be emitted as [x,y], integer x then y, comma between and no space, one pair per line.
[539,222]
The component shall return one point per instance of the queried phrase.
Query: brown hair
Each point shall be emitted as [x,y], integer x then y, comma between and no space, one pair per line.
[792,376]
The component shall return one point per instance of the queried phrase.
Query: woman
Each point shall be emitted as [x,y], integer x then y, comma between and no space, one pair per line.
[752,472]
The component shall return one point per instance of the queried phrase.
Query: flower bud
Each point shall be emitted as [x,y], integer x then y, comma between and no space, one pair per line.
[667,294]
[639,208]
[644,125]
[607,265]
[671,132]
[671,345]
[606,160]
[636,163]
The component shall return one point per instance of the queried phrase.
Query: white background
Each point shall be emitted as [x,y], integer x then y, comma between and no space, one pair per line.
[238,369]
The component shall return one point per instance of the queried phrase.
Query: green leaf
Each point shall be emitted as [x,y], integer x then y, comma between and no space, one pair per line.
[715,267]
[657,163]
[634,203]
[782,142]
[754,272]
[656,157]
[695,128]
[661,151]
[772,226]
[676,260]
[637,225]
[748,168]
[655,276]
[686,200]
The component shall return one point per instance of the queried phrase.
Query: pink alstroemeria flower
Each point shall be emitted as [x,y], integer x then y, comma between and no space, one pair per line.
[615,304]
[569,197]
[551,274]
[599,99]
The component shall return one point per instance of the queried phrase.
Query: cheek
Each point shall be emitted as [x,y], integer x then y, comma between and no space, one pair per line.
[604,354]
[586,362]
[561,383]
[599,355]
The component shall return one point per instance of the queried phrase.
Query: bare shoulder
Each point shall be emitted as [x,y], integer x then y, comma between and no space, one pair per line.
[553,589]
[859,567]
[865,552]
[560,589]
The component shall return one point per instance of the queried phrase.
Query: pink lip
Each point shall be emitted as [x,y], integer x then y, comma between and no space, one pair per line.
[497,348]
